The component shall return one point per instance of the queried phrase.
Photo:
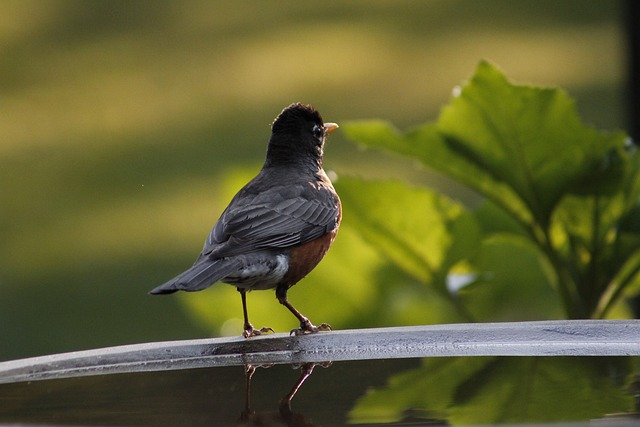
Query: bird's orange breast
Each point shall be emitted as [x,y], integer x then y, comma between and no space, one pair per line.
[304,258]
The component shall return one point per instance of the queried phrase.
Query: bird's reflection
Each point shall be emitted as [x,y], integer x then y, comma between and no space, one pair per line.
[285,415]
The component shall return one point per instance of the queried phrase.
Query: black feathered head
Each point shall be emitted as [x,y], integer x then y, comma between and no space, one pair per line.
[298,135]
[290,119]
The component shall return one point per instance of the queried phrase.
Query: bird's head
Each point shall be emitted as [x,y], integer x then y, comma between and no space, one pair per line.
[298,134]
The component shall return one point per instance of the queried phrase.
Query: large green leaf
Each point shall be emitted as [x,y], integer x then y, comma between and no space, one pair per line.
[428,145]
[522,146]
[570,189]
[419,230]
[515,284]
[527,137]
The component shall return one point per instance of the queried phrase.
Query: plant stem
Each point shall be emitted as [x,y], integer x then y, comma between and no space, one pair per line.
[574,306]
[592,288]
[615,288]
[541,235]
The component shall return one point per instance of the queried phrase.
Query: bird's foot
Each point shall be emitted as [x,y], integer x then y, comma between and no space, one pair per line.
[250,331]
[306,327]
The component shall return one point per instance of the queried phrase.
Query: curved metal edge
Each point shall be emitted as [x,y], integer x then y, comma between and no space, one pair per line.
[547,338]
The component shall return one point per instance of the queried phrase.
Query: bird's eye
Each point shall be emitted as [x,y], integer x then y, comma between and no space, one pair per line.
[318,131]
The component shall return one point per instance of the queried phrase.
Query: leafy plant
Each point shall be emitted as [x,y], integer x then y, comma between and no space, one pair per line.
[557,234]
[552,187]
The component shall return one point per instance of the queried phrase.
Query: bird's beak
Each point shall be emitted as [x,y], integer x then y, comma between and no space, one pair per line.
[330,127]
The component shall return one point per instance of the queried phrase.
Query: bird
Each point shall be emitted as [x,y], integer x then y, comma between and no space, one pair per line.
[279,226]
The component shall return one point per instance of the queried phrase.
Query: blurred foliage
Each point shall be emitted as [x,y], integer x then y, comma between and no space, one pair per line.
[555,234]
[121,121]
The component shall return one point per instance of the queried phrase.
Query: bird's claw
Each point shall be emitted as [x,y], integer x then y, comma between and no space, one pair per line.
[309,328]
[252,332]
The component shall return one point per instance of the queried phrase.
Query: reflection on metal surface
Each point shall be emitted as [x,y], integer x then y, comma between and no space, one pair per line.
[285,415]
[386,392]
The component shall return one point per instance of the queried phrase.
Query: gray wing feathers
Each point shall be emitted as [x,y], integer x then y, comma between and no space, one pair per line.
[246,228]
[202,275]
[284,217]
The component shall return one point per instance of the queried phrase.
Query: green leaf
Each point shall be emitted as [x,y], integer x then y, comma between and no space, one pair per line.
[428,388]
[529,138]
[484,390]
[570,189]
[523,147]
[512,390]
[421,231]
[515,284]
[428,145]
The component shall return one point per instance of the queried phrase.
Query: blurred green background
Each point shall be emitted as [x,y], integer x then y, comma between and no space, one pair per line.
[127,126]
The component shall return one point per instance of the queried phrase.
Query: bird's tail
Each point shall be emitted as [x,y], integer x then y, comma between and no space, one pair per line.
[199,277]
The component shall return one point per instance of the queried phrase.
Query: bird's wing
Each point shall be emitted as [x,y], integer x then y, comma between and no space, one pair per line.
[282,217]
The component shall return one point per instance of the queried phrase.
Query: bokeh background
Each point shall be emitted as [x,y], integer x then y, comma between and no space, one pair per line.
[126,127]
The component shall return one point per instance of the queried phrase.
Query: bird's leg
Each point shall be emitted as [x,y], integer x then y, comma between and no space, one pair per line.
[249,330]
[305,324]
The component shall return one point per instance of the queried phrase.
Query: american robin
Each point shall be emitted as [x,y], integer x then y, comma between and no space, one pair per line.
[279,226]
